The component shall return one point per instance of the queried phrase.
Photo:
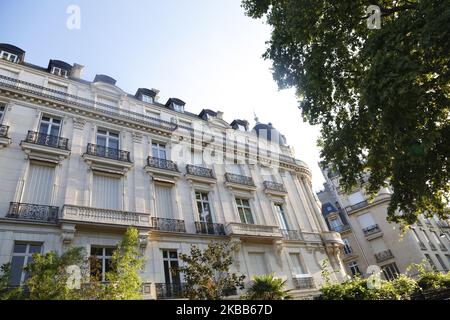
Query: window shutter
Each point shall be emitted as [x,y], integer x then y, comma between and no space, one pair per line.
[39,185]
[164,201]
[106,192]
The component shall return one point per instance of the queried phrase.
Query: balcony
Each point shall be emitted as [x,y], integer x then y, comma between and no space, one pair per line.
[4,140]
[303,282]
[357,206]
[372,231]
[291,234]
[169,290]
[332,237]
[252,230]
[107,159]
[170,225]
[384,255]
[33,212]
[27,90]
[236,181]
[162,169]
[45,147]
[106,217]
[210,228]
[200,174]
[274,188]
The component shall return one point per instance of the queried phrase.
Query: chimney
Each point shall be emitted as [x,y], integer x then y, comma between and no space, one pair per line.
[219,115]
[77,71]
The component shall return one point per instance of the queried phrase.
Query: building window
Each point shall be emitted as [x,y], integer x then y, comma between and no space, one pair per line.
[9,56]
[347,248]
[258,264]
[203,208]
[106,192]
[431,262]
[170,261]
[441,262]
[178,107]
[427,238]
[437,239]
[159,150]
[390,271]
[354,269]
[59,72]
[245,212]
[39,184]
[2,111]
[448,258]
[297,266]
[100,262]
[50,126]
[147,98]
[335,223]
[107,139]
[22,255]
[281,216]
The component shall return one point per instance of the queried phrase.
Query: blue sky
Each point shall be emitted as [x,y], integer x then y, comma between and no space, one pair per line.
[205,52]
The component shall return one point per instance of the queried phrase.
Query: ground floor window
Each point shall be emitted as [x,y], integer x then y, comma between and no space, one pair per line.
[100,262]
[390,271]
[22,255]
[354,268]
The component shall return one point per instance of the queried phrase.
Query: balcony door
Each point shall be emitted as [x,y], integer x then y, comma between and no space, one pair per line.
[107,143]
[172,280]
[204,212]
[39,184]
[159,150]
[50,126]
[281,216]
[164,201]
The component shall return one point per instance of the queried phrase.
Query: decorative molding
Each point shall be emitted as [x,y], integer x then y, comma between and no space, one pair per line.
[78,123]
[137,137]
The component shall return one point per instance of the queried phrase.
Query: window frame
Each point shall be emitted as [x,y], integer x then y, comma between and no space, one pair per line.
[59,72]
[2,111]
[146,98]
[51,124]
[108,135]
[158,148]
[281,214]
[8,56]
[169,261]
[103,258]
[202,202]
[354,268]
[241,207]
[393,271]
[27,255]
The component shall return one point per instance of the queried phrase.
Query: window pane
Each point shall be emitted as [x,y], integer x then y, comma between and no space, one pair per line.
[101,141]
[113,144]
[95,251]
[20,248]
[35,248]
[173,254]
[16,270]
[54,131]
[248,215]
[109,251]
[43,128]
[164,254]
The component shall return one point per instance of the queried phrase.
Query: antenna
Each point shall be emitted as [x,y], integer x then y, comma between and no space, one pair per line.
[256,118]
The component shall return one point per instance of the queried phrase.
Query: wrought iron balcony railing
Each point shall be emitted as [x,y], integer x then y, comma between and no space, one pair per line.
[109,153]
[169,290]
[371,230]
[209,228]
[200,171]
[304,282]
[47,140]
[162,164]
[4,131]
[291,234]
[239,179]
[173,225]
[274,186]
[35,212]
[384,255]
[34,89]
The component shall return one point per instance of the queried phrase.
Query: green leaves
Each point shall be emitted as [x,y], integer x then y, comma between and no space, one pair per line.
[207,272]
[266,287]
[381,96]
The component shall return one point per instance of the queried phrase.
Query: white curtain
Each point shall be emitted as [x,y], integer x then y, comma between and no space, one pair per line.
[106,192]
[164,201]
[258,264]
[39,185]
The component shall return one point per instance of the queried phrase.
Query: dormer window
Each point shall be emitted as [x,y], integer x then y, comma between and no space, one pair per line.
[59,72]
[9,56]
[178,107]
[241,127]
[147,98]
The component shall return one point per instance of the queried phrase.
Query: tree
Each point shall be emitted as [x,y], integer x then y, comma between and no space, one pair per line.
[266,287]
[6,291]
[207,273]
[124,280]
[381,96]
[48,276]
